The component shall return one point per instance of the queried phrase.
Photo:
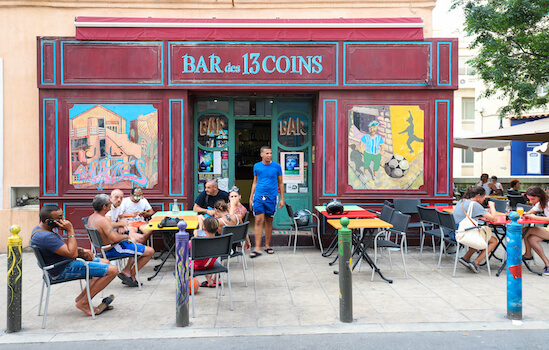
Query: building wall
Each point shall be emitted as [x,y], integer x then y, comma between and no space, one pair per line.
[23,21]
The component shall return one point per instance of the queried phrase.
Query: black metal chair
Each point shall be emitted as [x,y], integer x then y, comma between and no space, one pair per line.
[99,248]
[49,281]
[448,229]
[500,204]
[212,247]
[239,238]
[515,199]
[400,223]
[409,206]
[429,218]
[311,225]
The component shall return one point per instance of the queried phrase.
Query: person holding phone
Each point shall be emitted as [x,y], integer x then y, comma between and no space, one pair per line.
[54,249]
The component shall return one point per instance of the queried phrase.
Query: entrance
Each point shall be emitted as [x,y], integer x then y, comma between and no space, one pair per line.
[230,132]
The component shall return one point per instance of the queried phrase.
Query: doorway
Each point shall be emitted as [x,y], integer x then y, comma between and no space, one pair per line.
[250,136]
[229,133]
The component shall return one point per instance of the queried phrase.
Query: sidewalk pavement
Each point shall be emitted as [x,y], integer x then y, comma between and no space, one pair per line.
[287,294]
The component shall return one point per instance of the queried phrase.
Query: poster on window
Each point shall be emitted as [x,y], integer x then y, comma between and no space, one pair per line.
[386,147]
[113,146]
[292,166]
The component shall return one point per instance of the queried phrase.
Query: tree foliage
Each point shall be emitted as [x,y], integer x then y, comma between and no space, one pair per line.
[512,41]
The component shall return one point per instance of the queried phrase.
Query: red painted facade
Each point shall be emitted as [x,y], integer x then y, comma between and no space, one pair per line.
[336,67]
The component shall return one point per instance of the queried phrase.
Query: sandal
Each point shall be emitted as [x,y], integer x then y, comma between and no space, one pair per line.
[524,258]
[105,304]
[254,254]
[270,251]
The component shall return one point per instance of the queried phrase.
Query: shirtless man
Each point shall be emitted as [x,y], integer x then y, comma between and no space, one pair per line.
[101,205]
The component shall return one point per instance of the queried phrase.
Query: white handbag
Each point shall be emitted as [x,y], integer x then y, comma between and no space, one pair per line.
[469,233]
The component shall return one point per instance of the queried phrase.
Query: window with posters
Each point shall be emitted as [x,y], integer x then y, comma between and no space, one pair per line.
[212,149]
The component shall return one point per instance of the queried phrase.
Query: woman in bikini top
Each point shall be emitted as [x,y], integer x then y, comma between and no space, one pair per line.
[223,216]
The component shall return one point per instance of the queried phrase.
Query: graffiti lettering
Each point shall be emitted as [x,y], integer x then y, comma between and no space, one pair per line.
[100,173]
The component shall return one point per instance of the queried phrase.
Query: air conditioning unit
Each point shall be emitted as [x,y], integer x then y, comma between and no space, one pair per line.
[467,81]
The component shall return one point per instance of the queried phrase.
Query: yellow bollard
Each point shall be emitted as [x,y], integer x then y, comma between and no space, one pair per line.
[15,274]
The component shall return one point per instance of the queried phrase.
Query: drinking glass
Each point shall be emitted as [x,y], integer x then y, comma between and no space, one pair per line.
[520,211]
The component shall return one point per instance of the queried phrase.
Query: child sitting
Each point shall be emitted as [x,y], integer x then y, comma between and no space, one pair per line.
[210,225]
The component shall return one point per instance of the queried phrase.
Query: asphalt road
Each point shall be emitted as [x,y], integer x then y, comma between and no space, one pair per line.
[515,339]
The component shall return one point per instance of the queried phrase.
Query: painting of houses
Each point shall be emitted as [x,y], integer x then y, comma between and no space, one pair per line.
[113,146]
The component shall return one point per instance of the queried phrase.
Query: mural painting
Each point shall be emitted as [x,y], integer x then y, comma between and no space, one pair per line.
[386,147]
[113,146]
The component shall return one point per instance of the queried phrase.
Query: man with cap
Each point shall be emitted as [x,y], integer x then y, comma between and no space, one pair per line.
[134,210]
[372,146]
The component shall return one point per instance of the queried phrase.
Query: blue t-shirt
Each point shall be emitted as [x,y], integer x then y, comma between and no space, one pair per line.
[48,242]
[267,179]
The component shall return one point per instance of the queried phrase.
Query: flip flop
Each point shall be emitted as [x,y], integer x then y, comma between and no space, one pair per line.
[105,304]
[205,284]
[270,251]
[130,282]
[254,254]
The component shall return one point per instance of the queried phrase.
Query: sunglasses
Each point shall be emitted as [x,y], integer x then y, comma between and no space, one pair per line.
[234,189]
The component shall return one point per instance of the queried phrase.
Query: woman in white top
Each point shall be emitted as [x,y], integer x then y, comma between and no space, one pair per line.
[475,195]
[539,198]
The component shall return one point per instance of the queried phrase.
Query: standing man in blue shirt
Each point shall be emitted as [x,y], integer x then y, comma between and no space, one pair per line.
[264,196]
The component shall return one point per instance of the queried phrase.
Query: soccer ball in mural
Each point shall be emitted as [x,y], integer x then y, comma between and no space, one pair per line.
[397,166]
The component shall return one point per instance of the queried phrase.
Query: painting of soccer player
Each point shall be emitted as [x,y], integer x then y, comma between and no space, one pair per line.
[372,148]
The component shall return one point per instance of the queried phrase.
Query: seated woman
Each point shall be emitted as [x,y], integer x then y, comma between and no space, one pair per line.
[539,199]
[235,207]
[210,228]
[225,218]
[514,186]
[475,195]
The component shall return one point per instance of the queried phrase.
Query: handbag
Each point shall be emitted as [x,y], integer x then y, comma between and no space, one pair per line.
[169,222]
[469,233]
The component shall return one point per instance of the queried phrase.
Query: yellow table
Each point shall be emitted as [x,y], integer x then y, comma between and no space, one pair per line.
[369,223]
[168,235]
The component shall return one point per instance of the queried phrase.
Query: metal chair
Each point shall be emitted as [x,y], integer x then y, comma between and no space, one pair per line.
[400,223]
[409,206]
[49,281]
[448,223]
[239,236]
[310,225]
[526,207]
[429,218]
[99,248]
[515,199]
[212,247]
[500,204]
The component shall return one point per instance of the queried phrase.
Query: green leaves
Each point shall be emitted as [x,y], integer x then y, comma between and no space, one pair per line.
[512,40]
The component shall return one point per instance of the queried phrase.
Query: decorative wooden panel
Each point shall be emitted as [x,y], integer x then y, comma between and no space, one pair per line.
[444,63]
[329,147]
[112,63]
[442,147]
[176,136]
[388,64]
[50,145]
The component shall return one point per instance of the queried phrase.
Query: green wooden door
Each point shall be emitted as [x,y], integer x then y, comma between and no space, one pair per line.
[291,138]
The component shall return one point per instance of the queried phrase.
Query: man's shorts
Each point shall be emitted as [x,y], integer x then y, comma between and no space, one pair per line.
[265,205]
[124,249]
[78,269]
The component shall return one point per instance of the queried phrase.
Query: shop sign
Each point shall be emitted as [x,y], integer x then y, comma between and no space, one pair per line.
[292,126]
[253,63]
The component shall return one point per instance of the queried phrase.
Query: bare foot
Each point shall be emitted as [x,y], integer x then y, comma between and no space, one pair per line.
[85,308]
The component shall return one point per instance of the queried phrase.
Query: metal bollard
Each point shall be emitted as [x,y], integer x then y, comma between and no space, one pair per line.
[182,275]
[345,276]
[15,274]
[514,268]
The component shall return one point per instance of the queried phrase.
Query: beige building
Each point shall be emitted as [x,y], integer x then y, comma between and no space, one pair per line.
[21,22]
